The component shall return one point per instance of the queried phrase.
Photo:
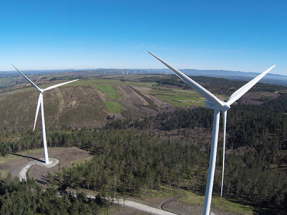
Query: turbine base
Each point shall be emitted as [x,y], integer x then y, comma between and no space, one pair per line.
[52,162]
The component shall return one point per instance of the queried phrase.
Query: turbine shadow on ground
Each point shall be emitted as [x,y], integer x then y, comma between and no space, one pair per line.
[29,157]
[43,181]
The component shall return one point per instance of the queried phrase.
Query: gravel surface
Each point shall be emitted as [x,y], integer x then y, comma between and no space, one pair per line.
[39,173]
[23,173]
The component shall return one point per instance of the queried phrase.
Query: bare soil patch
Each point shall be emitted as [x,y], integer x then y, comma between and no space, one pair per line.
[101,95]
[143,90]
[133,97]
[119,210]
[39,173]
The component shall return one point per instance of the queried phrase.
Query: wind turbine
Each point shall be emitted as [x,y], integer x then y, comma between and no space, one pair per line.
[41,103]
[214,103]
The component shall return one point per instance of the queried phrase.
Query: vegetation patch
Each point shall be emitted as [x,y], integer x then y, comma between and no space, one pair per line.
[107,81]
[191,198]
[113,107]
[10,157]
[131,113]
[219,203]
[4,174]
[29,198]
[79,161]
[231,207]
[109,90]
[178,98]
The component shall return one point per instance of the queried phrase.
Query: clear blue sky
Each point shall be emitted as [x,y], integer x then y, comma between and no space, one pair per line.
[241,35]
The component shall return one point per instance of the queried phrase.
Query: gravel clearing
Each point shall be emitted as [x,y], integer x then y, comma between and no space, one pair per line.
[39,173]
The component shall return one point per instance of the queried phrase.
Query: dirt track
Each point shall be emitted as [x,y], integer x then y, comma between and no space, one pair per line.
[39,173]
[67,155]
[171,204]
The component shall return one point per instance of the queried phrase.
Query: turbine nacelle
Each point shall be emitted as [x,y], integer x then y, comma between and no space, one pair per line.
[211,105]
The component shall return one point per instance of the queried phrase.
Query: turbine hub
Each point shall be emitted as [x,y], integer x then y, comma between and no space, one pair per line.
[225,107]
[211,105]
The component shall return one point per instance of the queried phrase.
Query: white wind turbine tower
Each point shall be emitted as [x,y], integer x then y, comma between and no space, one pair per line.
[214,103]
[41,103]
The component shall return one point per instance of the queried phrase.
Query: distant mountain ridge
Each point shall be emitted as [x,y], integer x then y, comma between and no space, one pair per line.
[227,73]
[237,75]
[232,75]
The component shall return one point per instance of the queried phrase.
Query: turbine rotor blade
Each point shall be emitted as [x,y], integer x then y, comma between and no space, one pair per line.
[31,82]
[241,91]
[198,88]
[224,116]
[37,110]
[58,85]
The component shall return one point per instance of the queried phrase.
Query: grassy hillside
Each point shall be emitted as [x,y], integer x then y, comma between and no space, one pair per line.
[89,102]
[86,102]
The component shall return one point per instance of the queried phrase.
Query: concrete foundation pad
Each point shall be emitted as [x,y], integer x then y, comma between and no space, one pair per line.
[53,162]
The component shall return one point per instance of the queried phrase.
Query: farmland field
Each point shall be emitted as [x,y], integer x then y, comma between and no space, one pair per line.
[108,89]
[112,107]
[178,98]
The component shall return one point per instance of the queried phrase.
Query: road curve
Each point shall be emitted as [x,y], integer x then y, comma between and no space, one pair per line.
[142,207]
[23,172]
[127,203]
[137,206]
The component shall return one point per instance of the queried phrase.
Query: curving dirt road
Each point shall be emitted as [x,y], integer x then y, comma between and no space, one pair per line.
[141,207]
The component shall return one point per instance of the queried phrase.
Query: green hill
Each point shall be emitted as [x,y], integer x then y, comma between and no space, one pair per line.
[89,102]
[84,103]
